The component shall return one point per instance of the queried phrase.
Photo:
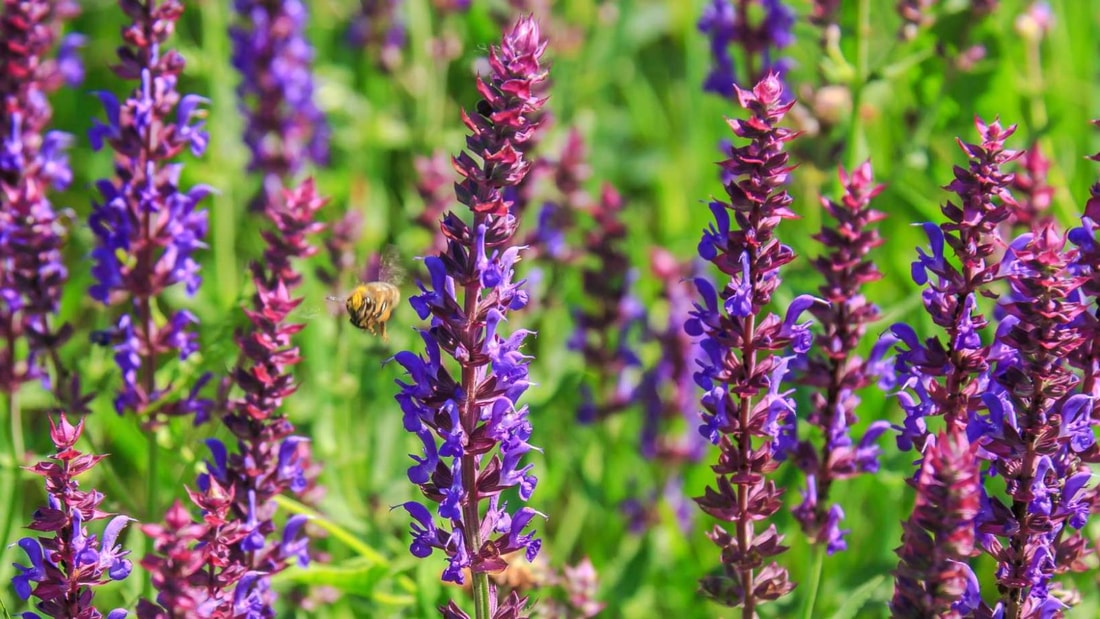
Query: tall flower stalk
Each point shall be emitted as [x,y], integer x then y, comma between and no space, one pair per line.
[283,126]
[834,371]
[745,409]
[237,492]
[32,163]
[147,228]
[67,563]
[473,429]
[728,26]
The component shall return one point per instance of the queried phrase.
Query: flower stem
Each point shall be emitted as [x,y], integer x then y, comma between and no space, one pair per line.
[818,565]
[744,522]
[856,137]
[15,415]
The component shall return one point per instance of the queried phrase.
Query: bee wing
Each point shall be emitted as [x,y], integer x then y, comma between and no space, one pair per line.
[390,269]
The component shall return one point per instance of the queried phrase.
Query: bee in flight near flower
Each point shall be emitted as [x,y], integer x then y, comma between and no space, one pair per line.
[370,305]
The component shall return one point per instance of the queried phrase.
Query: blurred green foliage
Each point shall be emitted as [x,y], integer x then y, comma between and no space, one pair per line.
[627,74]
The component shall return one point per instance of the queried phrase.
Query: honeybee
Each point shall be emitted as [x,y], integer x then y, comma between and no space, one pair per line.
[371,304]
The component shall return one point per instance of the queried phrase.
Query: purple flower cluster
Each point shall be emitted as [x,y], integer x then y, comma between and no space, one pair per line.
[746,411]
[32,161]
[269,459]
[377,27]
[283,126]
[435,178]
[473,429]
[932,578]
[66,562]
[1029,185]
[607,329]
[948,378]
[833,371]
[727,24]
[557,217]
[147,229]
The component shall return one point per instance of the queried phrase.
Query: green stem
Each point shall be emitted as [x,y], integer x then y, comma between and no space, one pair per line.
[857,147]
[15,415]
[818,565]
[151,497]
[336,531]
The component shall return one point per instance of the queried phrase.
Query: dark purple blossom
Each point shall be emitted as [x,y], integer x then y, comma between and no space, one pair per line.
[283,126]
[933,578]
[741,369]
[1038,435]
[473,429]
[435,179]
[66,561]
[1029,185]
[727,25]
[147,228]
[236,494]
[558,216]
[377,27]
[948,378]
[33,162]
[832,370]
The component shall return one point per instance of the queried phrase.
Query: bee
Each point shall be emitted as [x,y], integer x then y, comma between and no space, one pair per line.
[370,305]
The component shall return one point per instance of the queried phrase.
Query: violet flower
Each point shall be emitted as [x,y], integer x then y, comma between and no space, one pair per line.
[66,562]
[378,28]
[607,327]
[741,373]
[1038,435]
[435,179]
[933,578]
[32,162]
[269,459]
[558,217]
[726,23]
[473,429]
[1029,185]
[832,370]
[147,229]
[948,378]
[283,126]
[1087,356]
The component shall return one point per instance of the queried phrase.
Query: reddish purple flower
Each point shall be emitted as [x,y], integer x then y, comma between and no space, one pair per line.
[741,371]
[1029,185]
[728,25]
[283,126]
[915,14]
[66,561]
[147,229]
[466,412]
[832,369]
[32,162]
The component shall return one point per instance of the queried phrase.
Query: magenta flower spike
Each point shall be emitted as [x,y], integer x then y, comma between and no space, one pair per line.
[67,562]
[462,398]
[746,412]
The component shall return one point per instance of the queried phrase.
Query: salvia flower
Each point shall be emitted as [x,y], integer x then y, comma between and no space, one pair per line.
[32,162]
[473,429]
[239,487]
[558,217]
[933,578]
[948,378]
[283,126]
[727,25]
[377,27]
[607,327]
[1038,434]
[1087,356]
[147,228]
[1029,185]
[833,371]
[742,368]
[66,562]
[435,179]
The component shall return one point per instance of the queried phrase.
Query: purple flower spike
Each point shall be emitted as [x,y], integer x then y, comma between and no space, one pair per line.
[1038,434]
[236,494]
[147,228]
[33,162]
[727,25]
[470,404]
[742,366]
[283,126]
[67,563]
[832,370]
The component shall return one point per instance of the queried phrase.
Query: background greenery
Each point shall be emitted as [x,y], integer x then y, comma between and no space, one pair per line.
[627,75]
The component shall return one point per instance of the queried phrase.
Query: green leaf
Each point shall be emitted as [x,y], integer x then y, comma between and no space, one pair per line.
[855,601]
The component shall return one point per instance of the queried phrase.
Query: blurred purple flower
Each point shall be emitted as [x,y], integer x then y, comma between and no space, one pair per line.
[147,229]
[479,413]
[377,27]
[833,371]
[915,15]
[726,23]
[284,128]
[32,162]
[66,562]
[1029,184]
[741,356]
